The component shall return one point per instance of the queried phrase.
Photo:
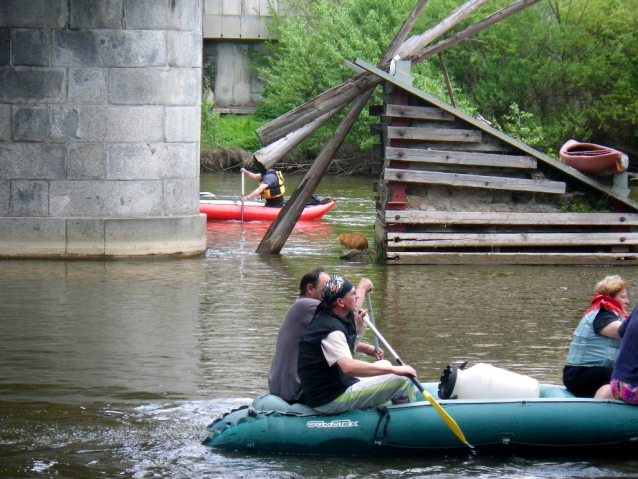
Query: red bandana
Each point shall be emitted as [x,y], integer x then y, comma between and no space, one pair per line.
[608,303]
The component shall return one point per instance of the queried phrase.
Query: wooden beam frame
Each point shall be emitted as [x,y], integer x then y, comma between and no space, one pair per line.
[450,240]
[506,218]
[460,158]
[475,181]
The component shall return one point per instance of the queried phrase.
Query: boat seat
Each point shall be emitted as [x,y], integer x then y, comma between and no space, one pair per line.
[271,403]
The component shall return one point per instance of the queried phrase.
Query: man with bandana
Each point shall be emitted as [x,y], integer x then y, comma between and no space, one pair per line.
[331,379]
[283,379]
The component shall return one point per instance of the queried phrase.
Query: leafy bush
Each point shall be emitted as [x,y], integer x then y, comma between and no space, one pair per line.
[560,69]
[312,44]
[573,64]
[522,126]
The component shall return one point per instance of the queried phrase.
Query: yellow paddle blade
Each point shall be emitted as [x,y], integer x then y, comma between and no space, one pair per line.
[447,418]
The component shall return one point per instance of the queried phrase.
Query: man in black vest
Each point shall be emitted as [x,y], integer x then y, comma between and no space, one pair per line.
[283,379]
[328,372]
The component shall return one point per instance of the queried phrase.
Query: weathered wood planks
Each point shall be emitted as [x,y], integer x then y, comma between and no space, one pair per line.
[475,181]
[432,134]
[507,218]
[445,240]
[460,158]
[551,259]
[417,112]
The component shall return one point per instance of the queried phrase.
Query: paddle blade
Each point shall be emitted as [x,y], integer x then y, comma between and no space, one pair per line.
[451,423]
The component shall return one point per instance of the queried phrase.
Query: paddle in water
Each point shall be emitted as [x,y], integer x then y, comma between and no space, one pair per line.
[242,196]
[451,423]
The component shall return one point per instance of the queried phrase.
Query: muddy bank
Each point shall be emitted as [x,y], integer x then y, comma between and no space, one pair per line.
[348,162]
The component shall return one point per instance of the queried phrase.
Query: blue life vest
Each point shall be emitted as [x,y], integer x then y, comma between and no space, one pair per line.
[591,349]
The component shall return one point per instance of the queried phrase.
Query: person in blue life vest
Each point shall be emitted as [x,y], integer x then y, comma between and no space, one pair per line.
[283,379]
[331,379]
[271,187]
[596,342]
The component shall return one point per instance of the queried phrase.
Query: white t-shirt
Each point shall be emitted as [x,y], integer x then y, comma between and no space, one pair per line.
[335,347]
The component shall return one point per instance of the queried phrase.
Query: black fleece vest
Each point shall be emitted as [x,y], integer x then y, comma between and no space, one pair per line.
[320,382]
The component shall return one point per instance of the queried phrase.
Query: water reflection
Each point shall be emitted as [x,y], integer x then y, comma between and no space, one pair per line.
[235,237]
[115,368]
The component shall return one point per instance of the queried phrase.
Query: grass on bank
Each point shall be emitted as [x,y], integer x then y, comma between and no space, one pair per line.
[227,142]
[229,131]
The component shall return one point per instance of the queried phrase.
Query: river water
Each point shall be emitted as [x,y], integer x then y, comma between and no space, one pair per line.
[114,369]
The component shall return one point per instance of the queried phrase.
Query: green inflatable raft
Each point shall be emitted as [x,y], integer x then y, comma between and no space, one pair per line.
[553,422]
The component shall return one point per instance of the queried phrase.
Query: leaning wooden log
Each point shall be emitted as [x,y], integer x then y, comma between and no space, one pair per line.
[448,83]
[418,42]
[488,21]
[331,99]
[269,155]
[280,229]
[348,90]
[403,33]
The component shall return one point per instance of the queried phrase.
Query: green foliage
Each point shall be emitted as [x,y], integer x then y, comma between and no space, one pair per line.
[230,131]
[210,125]
[581,203]
[521,125]
[572,63]
[428,77]
[306,60]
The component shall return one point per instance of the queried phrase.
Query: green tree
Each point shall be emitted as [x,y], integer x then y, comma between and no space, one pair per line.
[311,45]
[573,64]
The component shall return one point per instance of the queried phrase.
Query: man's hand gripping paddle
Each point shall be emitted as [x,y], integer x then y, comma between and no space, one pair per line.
[451,423]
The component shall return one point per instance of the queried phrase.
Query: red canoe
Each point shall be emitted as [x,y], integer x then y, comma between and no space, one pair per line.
[255,211]
[593,159]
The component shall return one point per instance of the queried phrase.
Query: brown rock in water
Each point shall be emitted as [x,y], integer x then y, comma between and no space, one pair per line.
[354,240]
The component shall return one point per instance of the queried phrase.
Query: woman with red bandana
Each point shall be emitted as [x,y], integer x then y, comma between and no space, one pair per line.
[596,342]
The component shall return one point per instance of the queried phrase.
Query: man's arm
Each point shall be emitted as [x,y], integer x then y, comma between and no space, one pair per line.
[361,369]
[369,350]
[251,175]
[365,286]
[256,192]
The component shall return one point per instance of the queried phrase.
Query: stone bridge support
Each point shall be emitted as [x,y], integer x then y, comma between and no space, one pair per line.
[99,128]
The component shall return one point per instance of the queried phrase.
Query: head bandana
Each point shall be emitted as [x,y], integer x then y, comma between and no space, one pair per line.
[334,289]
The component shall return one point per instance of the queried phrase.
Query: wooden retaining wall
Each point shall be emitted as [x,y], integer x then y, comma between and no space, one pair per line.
[455,191]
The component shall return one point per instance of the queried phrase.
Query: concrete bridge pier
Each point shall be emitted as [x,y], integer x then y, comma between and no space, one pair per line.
[99,128]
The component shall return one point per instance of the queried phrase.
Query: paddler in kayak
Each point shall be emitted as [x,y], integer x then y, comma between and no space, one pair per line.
[271,187]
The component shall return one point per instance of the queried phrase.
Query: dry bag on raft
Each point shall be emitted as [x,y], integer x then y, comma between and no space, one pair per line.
[484,381]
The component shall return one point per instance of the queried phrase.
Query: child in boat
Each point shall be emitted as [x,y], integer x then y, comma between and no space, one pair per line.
[595,343]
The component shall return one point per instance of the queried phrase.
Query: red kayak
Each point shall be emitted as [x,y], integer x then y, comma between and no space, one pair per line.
[255,211]
[593,159]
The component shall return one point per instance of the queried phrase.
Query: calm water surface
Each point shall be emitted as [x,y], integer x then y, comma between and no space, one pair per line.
[113,369]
